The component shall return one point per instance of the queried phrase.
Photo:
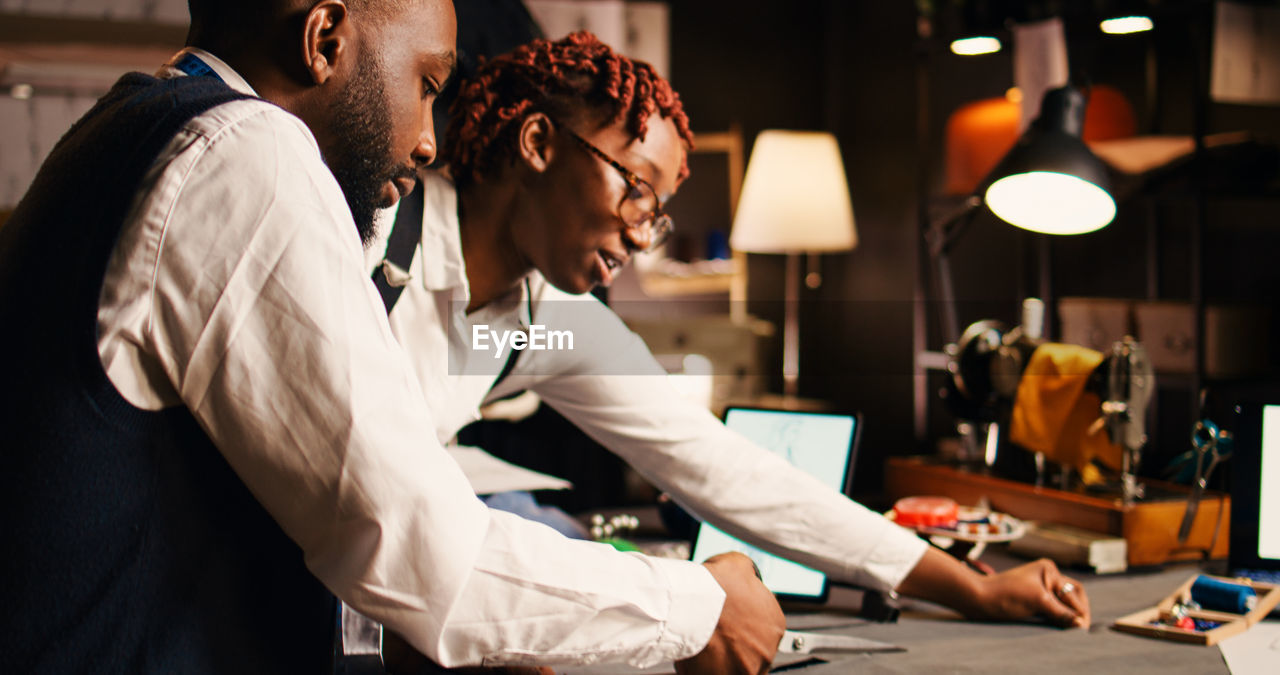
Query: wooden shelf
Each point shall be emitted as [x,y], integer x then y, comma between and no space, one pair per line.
[659,285]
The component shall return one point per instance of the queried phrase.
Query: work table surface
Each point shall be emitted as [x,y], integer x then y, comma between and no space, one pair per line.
[938,641]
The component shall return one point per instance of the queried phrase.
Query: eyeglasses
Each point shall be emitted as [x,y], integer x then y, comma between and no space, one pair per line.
[639,209]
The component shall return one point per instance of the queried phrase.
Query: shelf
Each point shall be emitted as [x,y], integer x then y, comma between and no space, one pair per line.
[659,285]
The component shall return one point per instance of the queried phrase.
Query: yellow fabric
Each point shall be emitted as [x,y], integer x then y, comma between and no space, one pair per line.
[1053,414]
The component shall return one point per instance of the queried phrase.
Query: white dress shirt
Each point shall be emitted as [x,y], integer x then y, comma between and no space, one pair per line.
[238,289]
[611,387]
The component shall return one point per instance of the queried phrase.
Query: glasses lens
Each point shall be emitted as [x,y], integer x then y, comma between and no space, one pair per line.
[639,205]
[639,210]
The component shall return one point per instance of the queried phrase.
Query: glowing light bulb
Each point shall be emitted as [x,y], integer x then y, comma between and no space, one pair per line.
[973,46]
[1051,203]
[1126,24]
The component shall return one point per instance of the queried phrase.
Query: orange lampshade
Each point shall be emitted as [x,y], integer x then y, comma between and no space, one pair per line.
[979,134]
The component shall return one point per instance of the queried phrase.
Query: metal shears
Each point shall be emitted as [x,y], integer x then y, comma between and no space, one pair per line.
[1210,445]
[800,642]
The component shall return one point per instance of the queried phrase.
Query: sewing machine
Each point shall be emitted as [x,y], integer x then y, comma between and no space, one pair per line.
[1055,433]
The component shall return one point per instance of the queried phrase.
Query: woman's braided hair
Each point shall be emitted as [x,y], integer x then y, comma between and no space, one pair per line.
[558,78]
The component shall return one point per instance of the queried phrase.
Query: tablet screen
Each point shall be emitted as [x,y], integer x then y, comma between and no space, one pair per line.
[822,445]
[1269,485]
[1255,488]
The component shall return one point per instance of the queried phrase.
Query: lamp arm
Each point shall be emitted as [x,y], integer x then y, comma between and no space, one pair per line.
[941,236]
[944,233]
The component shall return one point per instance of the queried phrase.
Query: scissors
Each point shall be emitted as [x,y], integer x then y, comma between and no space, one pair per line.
[799,642]
[1207,441]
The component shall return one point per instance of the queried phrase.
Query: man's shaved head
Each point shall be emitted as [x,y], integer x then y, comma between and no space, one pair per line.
[361,74]
[231,23]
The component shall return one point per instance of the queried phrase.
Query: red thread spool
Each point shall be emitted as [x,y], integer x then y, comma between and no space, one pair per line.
[926,512]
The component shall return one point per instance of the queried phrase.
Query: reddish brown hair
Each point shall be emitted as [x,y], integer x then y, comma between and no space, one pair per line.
[561,79]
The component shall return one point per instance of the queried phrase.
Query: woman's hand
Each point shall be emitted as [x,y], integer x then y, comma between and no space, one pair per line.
[1034,590]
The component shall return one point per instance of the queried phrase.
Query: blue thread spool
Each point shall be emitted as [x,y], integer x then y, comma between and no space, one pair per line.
[1223,596]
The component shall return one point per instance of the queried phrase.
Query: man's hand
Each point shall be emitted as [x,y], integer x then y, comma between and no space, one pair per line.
[1036,589]
[750,626]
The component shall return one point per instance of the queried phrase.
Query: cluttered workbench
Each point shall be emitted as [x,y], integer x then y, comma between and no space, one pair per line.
[938,641]
[1153,555]
[935,640]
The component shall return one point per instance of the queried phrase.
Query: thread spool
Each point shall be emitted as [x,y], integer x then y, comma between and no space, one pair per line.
[926,512]
[1223,596]
[1033,318]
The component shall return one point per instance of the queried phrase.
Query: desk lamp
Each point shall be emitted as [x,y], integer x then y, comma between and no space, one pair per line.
[795,199]
[1049,182]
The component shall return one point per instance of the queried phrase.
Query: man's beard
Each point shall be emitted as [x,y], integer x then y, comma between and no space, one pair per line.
[361,157]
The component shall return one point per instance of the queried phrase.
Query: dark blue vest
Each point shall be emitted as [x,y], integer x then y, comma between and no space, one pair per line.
[127,544]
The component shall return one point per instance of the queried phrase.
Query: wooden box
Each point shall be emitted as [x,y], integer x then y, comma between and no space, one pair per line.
[1147,621]
[1096,323]
[1236,339]
[1150,528]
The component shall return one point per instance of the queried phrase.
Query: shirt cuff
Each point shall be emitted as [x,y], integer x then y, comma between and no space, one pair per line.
[890,560]
[696,601]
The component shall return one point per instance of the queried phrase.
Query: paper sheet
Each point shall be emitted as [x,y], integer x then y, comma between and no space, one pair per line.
[605,18]
[647,35]
[781,661]
[1039,64]
[490,475]
[1246,54]
[1255,651]
[638,29]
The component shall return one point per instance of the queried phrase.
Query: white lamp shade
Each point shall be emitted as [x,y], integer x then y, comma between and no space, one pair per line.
[795,198]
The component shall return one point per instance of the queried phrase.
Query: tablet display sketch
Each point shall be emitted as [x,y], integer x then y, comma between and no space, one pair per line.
[819,444]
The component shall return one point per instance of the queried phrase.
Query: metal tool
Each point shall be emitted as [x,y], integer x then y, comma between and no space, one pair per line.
[1130,385]
[799,642]
[1206,441]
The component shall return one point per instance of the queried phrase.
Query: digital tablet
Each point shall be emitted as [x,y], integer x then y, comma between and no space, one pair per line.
[822,444]
[1255,490]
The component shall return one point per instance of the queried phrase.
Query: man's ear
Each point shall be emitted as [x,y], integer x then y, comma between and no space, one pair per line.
[326,39]
[535,141]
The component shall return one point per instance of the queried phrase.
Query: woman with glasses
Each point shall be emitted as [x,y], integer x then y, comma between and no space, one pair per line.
[559,159]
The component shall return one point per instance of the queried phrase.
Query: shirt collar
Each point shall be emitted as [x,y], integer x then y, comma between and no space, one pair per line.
[442,245]
[441,238]
[227,73]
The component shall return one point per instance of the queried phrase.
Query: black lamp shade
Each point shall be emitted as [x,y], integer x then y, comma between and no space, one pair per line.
[1049,181]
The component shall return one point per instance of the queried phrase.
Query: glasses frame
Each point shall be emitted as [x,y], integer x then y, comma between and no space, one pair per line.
[658,222]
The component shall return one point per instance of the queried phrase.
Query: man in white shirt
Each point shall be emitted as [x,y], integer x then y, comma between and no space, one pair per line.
[561,155]
[212,407]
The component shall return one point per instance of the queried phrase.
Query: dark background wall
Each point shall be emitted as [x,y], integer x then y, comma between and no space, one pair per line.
[859,70]
[848,68]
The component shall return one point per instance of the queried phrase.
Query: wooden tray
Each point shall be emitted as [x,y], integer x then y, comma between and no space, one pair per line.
[1141,623]
[1150,528]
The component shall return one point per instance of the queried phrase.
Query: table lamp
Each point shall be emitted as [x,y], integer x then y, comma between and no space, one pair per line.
[795,199]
